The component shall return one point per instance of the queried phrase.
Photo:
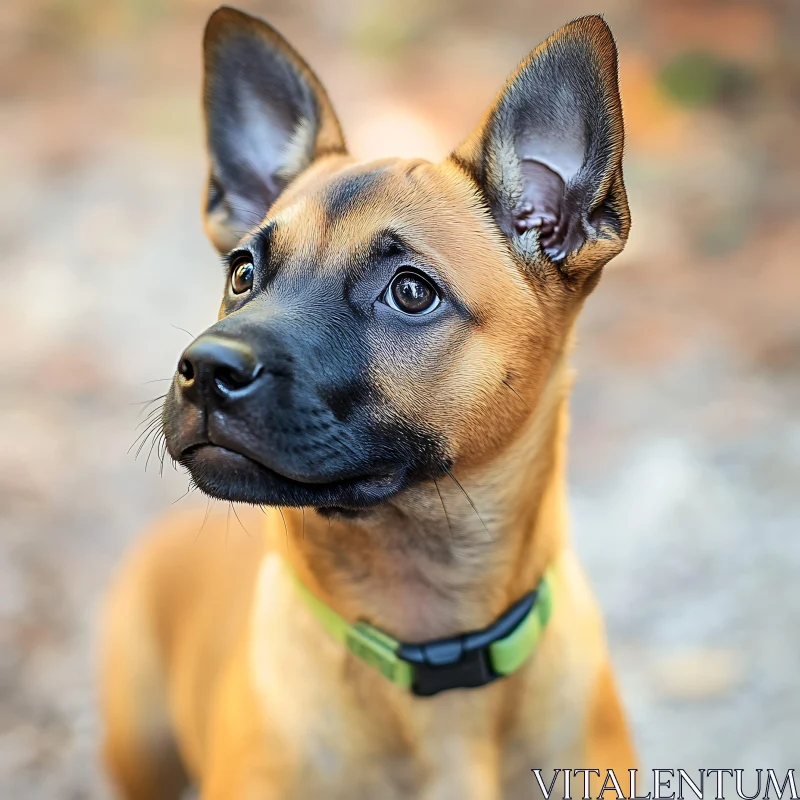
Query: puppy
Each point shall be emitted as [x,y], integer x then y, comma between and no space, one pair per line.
[388,381]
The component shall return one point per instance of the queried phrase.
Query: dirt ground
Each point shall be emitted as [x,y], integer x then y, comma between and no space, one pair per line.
[685,442]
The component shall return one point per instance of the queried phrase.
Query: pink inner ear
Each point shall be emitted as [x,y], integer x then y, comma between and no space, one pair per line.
[541,206]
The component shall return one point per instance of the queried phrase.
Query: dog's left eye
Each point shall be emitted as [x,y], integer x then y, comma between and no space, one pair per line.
[242,275]
[410,293]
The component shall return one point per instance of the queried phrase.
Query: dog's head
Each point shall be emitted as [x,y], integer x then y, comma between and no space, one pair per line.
[385,322]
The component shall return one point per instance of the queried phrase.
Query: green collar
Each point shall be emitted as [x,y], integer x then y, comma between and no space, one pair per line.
[469,660]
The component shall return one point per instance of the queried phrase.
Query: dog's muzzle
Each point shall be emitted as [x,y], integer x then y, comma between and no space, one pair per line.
[255,418]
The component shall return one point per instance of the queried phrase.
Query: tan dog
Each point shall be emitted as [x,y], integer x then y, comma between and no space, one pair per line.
[390,367]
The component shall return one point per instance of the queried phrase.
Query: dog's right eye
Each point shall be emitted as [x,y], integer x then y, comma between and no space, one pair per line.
[411,293]
[242,274]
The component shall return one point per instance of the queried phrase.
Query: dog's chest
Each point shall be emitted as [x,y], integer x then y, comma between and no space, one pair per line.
[333,727]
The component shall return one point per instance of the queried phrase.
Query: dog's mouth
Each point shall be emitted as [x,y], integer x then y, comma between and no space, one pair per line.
[226,474]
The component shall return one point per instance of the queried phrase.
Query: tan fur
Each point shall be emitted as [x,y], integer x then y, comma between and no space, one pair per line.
[263,704]
[211,654]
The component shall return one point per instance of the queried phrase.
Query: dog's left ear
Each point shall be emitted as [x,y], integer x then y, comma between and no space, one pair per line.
[267,119]
[548,154]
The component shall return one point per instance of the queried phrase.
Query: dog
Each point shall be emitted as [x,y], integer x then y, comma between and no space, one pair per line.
[388,382]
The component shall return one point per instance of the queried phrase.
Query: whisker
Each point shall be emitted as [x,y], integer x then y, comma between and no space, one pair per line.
[285,528]
[151,415]
[205,518]
[178,328]
[151,425]
[162,452]
[149,431]
[188,491]
[155,444]
[521,399]
[240,522]
[444,508]
[242,210]
[469,500]
[154,412]
[146,403]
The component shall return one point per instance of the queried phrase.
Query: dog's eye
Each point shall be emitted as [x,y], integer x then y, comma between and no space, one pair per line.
[242,274]
[410,293]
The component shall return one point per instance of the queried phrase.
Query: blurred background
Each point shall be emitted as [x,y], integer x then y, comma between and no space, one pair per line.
[685,451]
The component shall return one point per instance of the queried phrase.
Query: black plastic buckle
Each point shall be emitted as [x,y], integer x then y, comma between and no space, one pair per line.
[446,665]
[462,662]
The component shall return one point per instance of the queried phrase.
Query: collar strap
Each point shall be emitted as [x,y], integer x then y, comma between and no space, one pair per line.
[459,662]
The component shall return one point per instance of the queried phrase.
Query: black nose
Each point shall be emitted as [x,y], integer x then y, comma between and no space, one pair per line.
[213,365]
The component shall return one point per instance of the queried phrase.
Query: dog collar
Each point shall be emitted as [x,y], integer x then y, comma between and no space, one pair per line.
[459,662]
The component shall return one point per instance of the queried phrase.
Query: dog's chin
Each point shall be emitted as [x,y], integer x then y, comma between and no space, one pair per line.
[227,475]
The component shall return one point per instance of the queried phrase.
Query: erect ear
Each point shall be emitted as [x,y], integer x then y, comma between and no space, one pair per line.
[267,119]
[548,154]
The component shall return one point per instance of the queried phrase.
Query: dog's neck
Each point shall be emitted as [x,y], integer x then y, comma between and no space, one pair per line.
[450,556]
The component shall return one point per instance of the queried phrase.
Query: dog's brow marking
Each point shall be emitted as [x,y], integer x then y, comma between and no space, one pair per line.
[383,245]
[394,240]
[343,194]
[264,234]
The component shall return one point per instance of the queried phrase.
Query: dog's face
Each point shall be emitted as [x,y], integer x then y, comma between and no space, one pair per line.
[384,323]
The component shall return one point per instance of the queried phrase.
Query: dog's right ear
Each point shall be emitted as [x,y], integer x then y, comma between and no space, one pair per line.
[267,119]
[548,155]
